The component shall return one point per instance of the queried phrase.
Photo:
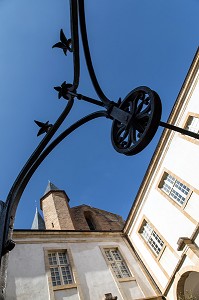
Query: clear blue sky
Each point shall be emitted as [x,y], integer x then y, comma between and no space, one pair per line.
[133,43]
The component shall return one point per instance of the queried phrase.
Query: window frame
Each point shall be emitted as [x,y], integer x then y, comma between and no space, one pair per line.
[165,244]
[59,263]
[181,208]
[123,260]
[167,196]
[172,186]
[63,286]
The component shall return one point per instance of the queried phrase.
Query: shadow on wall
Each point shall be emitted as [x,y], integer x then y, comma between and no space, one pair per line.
[26,274]
[95,276]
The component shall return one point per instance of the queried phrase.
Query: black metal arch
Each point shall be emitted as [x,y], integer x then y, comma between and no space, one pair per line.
[30,169]
[135,121]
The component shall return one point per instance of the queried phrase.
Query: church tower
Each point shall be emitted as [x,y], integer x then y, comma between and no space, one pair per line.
[56,209]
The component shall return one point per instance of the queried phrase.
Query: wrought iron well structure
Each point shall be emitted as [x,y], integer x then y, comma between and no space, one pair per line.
[135,120]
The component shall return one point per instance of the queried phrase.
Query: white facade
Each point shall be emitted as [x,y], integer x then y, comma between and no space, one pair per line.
[167,207]
[29,270]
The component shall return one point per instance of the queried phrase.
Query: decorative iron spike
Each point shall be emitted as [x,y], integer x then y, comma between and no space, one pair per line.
[59,90]
[64,43]
[44,127]
[63,90]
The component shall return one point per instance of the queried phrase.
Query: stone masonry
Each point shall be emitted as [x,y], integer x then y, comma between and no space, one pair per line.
[103,220]
[56,211]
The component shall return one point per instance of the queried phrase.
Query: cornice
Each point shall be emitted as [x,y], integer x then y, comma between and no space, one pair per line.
[62,234]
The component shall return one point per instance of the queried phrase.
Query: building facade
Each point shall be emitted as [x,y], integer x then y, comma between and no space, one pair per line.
[77,253]
[86,253]
[163,222]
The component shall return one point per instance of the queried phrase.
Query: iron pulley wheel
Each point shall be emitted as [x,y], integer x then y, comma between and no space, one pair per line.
[144,109]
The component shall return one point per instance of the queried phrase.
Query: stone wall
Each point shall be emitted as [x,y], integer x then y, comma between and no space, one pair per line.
[101,219]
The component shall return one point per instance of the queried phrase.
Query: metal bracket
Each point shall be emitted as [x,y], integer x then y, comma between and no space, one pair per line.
[180,130]
[120,115]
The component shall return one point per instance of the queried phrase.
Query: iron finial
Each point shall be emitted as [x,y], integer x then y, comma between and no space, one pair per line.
[63,90]
[44,127]
[64,43]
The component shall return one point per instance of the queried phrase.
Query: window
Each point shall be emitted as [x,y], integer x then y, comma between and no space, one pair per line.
[192,124]
[60,268]
[175,189]
[117,263]
[151,237]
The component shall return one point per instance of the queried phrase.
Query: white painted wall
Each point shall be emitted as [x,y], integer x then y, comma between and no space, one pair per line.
[132,290]
[68,294]
[27,278]
[26,274]
[181,157]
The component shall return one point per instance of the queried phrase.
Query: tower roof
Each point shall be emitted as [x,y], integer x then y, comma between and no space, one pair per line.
[38,222]
[50,187]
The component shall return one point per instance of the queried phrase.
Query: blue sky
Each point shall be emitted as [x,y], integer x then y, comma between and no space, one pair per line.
[133,43]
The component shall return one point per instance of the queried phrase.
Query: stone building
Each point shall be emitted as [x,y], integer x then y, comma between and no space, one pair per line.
[75,253]
[163,222]
[59,216]
[84,253]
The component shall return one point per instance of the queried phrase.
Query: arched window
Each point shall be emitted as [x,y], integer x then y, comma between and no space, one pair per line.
[89,220]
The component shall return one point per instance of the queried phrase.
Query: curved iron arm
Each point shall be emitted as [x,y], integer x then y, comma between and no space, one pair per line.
[47,138]
[49,149]
[7,210]
[93,77]
[11,198]
[75,39]
[6,218]
[24,177]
